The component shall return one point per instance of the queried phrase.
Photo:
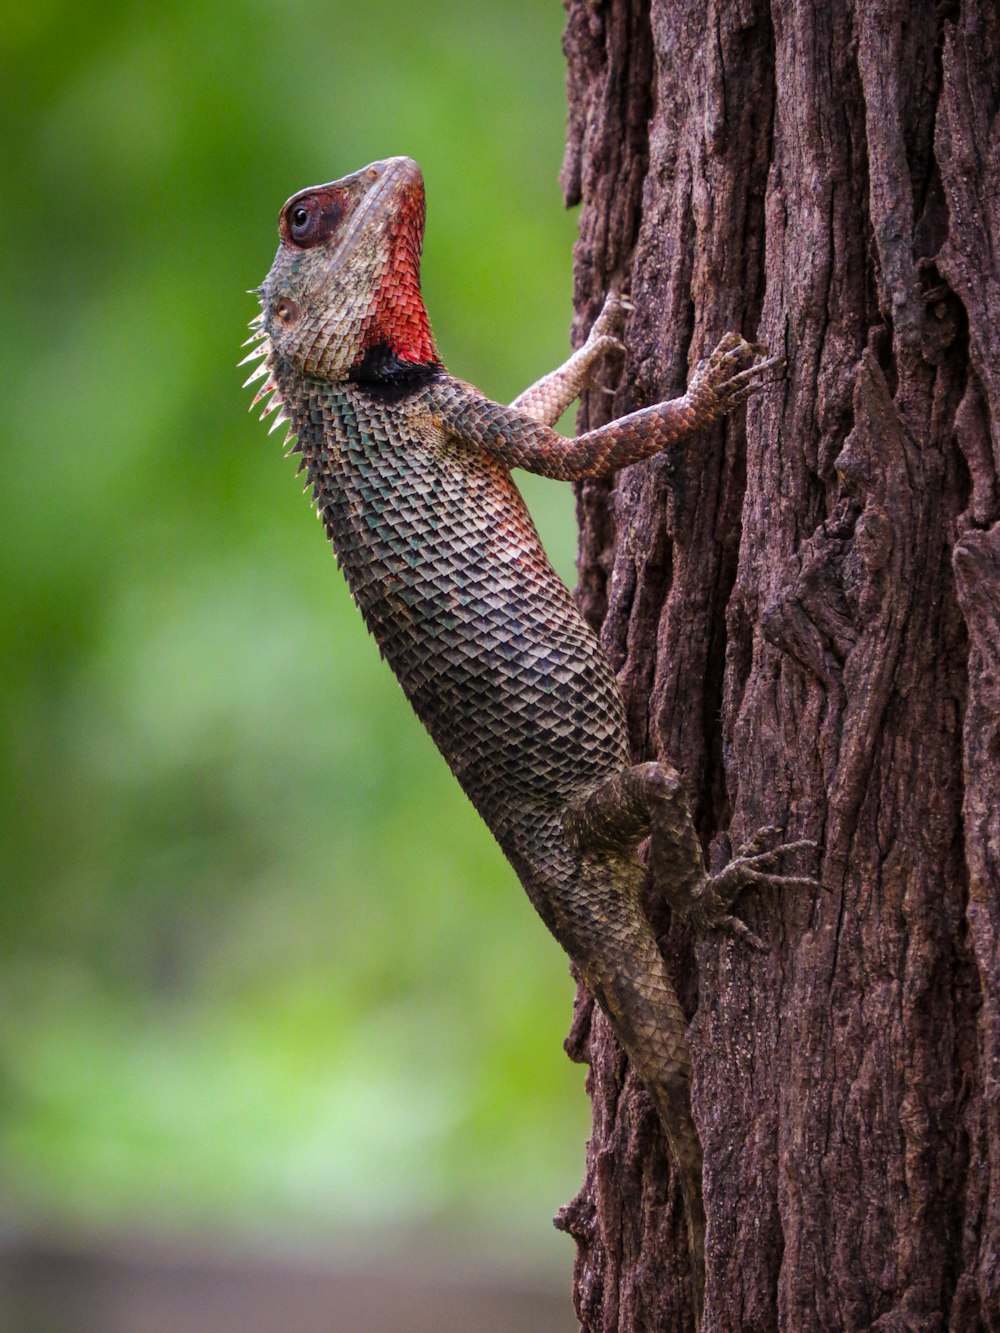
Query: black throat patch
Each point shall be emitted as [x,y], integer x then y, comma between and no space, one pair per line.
[388,377]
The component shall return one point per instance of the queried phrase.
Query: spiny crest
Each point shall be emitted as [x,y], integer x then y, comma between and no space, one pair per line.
[262,352]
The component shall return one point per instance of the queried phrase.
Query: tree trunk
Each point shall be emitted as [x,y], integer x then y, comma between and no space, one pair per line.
[804,612]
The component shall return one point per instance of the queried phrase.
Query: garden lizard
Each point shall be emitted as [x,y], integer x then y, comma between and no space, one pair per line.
[410,470]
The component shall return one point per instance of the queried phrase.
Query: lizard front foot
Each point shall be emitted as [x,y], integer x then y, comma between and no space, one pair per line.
[728,376]
[604,338]
[547,399]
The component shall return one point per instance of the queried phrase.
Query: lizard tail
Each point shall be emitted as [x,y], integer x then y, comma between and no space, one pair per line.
[642,1005]
[588,888]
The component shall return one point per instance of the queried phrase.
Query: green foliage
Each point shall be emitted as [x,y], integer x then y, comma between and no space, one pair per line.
[262,968]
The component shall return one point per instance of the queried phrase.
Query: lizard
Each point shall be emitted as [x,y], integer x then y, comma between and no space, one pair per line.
[410,471]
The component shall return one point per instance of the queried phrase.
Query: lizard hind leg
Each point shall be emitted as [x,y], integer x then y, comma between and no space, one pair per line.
[633,986]
[649,800]
[646,800]
[625,971]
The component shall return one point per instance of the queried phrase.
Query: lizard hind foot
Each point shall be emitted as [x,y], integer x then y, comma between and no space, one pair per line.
[753,866]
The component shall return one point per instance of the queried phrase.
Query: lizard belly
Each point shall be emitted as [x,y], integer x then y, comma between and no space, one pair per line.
[444,561]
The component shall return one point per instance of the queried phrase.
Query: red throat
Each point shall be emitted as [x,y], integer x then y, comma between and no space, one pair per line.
[398,319]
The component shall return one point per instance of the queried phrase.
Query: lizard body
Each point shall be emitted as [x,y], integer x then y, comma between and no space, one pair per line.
[410,471]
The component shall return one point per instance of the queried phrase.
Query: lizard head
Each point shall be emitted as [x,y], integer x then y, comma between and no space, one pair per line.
[342,300]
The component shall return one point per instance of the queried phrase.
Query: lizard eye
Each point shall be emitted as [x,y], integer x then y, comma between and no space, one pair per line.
[300,220]
[313,220]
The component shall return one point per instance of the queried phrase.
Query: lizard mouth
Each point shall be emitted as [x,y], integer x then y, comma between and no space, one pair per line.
[394,175]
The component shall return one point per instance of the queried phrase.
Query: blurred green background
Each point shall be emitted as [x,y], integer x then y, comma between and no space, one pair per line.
[264,974]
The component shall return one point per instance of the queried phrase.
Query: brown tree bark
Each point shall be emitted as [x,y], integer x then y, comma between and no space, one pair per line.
[804,611]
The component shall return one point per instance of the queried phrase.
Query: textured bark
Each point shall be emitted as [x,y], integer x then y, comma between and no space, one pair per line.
[803,607]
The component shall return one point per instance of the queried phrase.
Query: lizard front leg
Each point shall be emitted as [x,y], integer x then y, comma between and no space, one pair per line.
[720,383]
[548,398]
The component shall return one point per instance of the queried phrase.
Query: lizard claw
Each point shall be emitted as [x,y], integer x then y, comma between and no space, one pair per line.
[739,930]
[611,320]
[755,844]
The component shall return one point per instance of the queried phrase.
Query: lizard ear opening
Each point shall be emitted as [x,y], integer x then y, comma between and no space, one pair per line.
[287,311]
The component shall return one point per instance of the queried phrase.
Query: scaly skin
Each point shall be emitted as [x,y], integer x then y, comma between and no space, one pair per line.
[410,471]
